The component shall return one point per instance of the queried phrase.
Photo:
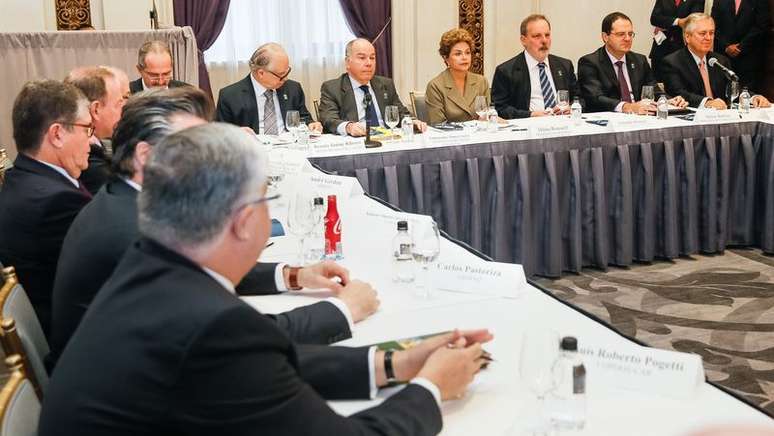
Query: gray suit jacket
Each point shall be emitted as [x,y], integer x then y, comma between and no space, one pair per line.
[337,100]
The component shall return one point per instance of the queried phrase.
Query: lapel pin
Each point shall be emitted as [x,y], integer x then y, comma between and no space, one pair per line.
[559,73]
[285,96]
[632,65]
[385,96]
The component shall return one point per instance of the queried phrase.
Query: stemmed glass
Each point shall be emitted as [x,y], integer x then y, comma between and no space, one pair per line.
[427,246]
[648,95]
[732,92]
[301,219]
[563,99]
[292,121]
[391,117]
[539,351]
[481,107]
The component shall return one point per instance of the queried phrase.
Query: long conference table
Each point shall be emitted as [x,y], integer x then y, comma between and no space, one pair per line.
[497,403]
[611,191]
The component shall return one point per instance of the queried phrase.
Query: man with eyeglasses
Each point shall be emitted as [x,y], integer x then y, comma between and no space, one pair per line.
[263,98]
[42,195]
[687,71]
[107,89]
[611,78]
[154,63]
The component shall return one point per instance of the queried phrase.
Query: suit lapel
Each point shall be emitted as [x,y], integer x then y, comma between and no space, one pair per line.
[381,93]
[249,102]
[694,75]
[521,75]
[635,76]
[608,69]
[348,103]
[558,73]
[454,94]
[282,96]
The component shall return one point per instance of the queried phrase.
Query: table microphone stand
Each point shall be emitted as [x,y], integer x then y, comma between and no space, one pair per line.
[369,143]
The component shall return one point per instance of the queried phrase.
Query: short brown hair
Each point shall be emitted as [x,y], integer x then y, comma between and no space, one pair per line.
[92,81]
[153,46]
[450,38]
[531,18]
[40,104]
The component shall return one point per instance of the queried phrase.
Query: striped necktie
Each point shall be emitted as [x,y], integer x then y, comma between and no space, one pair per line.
[269,114]
[549,99]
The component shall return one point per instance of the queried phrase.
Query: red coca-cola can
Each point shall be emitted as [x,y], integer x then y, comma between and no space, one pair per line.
[333,249]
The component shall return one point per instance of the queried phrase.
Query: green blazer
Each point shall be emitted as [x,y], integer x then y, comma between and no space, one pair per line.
[444,101]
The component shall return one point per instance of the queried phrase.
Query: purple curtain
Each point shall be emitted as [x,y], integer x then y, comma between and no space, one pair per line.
[206,18]
[370,19]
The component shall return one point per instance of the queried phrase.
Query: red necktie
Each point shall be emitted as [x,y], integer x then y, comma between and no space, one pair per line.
[738,2]
[677,2]
[84,190]
[623,85]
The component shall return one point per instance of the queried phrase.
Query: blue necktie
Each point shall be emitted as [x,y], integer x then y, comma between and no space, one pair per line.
[545,86]
[370,110]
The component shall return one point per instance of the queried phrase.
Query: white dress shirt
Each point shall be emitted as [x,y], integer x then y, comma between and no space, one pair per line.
[536,102]
[698,61]
[61,171]
[136,186]
[361,113]
[613,59]
[260,100]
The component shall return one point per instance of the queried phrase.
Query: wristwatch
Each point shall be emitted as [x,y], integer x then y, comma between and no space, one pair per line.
[389,372]
[293,278]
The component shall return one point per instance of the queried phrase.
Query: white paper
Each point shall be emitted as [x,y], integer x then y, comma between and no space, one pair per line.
[323,184]
[661,372]
[630,122]
[488,278]
[551,130]
[332,145]
[287,162]
[716,116]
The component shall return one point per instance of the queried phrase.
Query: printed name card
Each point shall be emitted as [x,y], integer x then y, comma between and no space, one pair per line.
[628,123]
[716,116]
[339,145]
[287,162]
[662,372]
[324,184]
[551,131]
[390,218]
[486,278]
[447,139]
[758,115]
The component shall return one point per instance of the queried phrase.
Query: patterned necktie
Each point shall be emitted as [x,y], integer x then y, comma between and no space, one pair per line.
[373,119]
[269,114]
[705,79]
[623,85]
[549,99]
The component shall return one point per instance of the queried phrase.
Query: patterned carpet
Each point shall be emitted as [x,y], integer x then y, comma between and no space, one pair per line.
[721,307]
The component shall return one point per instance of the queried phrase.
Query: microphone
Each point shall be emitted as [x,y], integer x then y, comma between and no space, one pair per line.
[369,143]
[713,62]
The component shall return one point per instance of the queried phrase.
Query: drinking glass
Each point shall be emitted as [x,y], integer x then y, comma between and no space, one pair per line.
[292,121]
[648,95]
[539,351]
[732,92]
[563,99]
[482,109]
[427,246]
[391,117]
[301,219]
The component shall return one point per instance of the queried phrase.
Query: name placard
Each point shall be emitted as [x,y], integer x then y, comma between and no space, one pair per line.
[287,162]
[391,218]
[324,184]
[551,131]
[448,139]
[662,372]
[486,278]
[328,146]
[634,122]
[757,115]
[716,116]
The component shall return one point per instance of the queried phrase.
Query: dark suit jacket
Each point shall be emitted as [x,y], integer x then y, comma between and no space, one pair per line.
[142,363]
[337,100]
[598,79]
[135,86]
[682,77]
[99,237]
[37,206]
[98,172]
[237,103]
[511,87]
[663,15]
[749,28]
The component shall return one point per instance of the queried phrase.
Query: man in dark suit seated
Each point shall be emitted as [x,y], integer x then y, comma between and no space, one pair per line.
[687,71]
[669,18]
[343,108]
[261,100]
[105,229]
[525,85]
[742,30]
[41,194]
[167,348]
[107,89]
[154,63]
[611,78]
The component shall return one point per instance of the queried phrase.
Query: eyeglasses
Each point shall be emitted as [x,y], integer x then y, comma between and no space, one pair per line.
[89,127]
[158,77]
[258,201]
[623,34]
[282,77]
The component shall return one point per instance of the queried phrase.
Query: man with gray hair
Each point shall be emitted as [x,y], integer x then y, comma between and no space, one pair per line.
[189,357]
[105,229]
[154,63]
[107,89]
[262,99]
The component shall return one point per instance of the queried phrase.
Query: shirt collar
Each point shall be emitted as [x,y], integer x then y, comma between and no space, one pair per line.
[356,84]
[257,87]
[61,171]
[613,59]
[137,187]
[532,62]
[696,58]
[226,283]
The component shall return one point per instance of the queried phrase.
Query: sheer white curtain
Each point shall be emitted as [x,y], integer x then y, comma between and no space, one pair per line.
[313,33]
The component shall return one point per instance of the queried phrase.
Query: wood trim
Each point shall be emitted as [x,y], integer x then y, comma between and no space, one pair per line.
[471,18]
[73,14]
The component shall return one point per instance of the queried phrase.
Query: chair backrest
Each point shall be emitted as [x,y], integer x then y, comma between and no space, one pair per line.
[5,163]
[418,105]
[19,406]
[316,104]
[21,331]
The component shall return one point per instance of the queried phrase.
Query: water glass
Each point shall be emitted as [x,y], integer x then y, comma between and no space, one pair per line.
[427,247]
[481,107]
[391,117]
[301,219]
[539,352]
[732,93]
[563,99]
[292,121]
[648,95]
